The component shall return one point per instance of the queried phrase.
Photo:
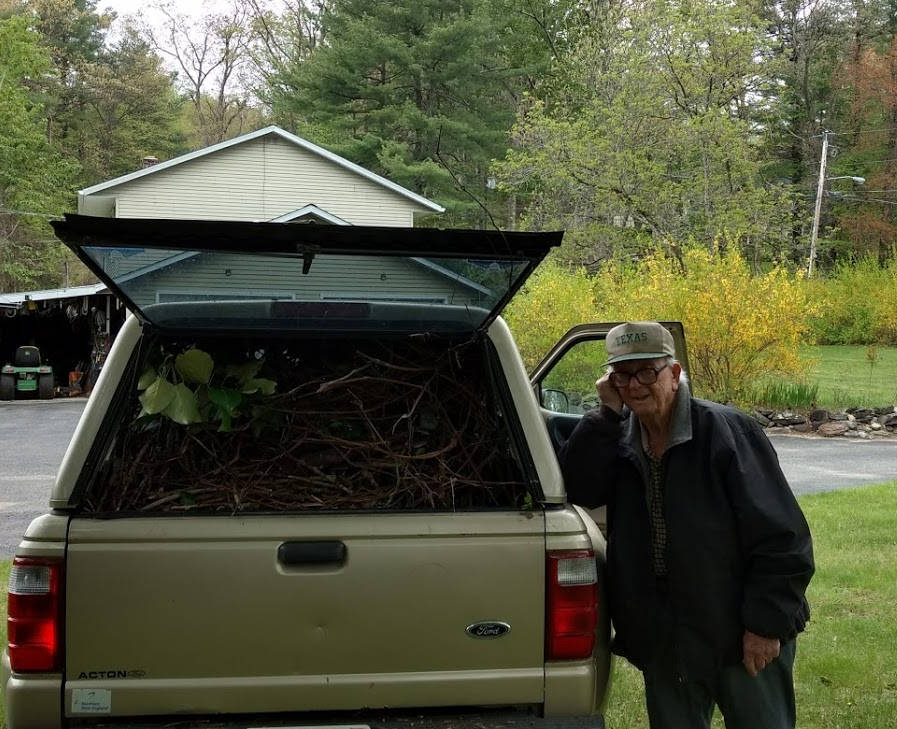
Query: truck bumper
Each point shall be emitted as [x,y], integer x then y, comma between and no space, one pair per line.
[446,719]
[32,702]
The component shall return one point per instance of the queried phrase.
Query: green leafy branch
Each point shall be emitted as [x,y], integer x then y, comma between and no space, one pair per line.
[181,389]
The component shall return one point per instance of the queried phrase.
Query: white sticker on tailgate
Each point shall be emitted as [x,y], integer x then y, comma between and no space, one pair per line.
[91,701]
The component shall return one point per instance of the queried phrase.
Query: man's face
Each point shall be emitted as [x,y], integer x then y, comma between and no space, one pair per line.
[650,401]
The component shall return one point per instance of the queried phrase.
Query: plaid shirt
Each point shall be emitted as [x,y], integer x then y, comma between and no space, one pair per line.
[655,509]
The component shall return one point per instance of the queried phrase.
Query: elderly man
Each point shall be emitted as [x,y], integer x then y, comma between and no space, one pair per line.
[708,553]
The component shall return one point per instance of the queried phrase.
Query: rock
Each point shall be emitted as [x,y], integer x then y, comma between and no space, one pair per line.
[851,424]
[787,418]
[852,434]
[819,416]
[762,419]
[875,426]
[851,418]
[802,428]
[864,415]
[862,434]
[830,430]
[888,420]
[838,416]
[886,410]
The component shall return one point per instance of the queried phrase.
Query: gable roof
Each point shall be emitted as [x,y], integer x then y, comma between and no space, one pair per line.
[313,211]
[283,134]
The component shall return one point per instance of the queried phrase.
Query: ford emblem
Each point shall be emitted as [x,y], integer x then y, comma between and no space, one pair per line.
[488,629]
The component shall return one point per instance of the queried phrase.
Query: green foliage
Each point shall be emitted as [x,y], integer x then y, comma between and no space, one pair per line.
[857,303]
[131,110]
[35,180]
[783,395]
[646,142]
[181,389]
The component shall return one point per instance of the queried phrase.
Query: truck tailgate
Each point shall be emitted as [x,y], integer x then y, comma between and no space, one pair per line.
[214,614]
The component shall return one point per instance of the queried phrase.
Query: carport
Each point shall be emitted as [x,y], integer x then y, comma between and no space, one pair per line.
[73,328]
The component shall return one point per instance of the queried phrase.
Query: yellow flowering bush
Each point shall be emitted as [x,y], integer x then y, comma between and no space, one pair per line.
[738,326]
[552,301]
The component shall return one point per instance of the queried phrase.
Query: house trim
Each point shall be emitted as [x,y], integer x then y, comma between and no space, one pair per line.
[310,210]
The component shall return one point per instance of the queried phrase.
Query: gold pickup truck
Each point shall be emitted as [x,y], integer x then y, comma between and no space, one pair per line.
[313,487]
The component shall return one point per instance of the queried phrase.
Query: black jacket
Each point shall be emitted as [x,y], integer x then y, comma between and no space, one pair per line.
[739,554]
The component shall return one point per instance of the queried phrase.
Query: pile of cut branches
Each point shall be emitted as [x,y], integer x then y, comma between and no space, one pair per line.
[410,426]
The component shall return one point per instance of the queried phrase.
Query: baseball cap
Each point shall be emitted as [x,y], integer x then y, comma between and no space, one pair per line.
[638,340]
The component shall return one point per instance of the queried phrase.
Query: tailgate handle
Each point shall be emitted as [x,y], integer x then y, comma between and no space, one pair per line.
[301,553]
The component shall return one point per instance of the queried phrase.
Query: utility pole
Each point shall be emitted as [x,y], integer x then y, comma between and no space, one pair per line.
[820,191]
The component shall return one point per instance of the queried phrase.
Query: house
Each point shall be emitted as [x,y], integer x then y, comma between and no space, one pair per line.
[268,174]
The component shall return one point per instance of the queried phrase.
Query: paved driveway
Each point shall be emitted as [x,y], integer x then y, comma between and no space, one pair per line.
[825,464]
[34,435]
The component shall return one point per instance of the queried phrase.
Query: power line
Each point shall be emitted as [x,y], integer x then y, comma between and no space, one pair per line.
[869,192]
[861,161]
[864,131]
[867,199]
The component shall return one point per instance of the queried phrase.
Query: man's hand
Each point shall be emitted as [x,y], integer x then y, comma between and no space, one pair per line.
[609,394]
[759,652]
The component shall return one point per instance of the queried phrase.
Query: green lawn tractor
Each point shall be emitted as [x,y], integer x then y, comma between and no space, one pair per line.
[26,376]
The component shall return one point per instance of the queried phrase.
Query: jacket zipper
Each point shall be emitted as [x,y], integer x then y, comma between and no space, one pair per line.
[677,659]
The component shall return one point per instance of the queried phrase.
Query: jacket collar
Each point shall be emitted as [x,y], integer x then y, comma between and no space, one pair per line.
[680,424]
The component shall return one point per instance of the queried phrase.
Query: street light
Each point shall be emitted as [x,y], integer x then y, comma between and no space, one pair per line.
[820,190]
[858,180]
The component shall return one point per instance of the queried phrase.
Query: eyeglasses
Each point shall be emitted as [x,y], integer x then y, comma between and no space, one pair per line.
[645,376]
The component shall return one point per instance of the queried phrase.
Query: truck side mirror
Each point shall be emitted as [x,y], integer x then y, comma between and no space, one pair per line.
[556,401]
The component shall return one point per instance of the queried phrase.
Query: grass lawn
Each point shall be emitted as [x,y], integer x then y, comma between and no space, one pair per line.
[846,670]
[845,377]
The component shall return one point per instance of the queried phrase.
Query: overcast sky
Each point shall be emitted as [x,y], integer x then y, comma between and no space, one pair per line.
[187,7]
[129,7]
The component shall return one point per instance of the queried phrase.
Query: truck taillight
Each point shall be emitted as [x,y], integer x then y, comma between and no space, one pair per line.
[572,604]
[34,614]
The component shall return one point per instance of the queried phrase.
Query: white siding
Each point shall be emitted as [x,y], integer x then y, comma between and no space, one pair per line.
[216,274]
[261,179]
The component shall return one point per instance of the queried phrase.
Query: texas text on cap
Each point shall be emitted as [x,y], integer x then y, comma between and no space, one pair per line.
[638,340]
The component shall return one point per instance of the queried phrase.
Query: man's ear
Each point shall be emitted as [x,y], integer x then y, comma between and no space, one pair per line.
[676,369]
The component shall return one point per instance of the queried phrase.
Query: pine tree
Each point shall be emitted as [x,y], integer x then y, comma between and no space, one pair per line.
[421,91]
